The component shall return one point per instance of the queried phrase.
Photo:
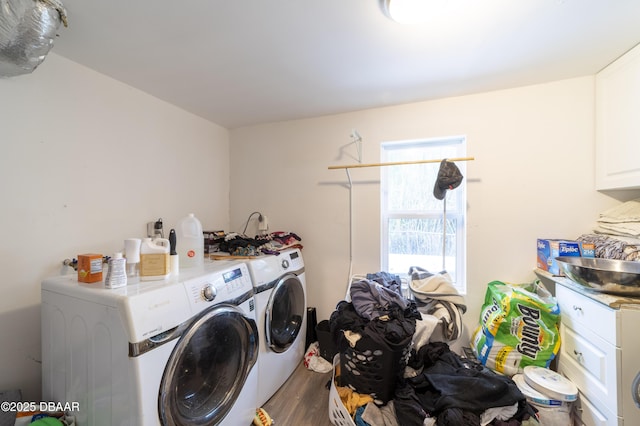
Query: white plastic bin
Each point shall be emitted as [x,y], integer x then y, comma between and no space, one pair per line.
[549,393]
[338,414]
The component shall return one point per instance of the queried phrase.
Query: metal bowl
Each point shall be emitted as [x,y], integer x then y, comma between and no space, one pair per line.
[621,277]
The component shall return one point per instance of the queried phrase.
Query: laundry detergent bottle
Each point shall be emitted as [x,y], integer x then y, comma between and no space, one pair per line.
[154,259]
[190,242]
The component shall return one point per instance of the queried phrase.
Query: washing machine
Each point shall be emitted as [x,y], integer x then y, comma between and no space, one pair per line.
[177,352]
[281,305]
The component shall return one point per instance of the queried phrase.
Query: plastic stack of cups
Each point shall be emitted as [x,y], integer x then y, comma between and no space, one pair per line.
[132,253]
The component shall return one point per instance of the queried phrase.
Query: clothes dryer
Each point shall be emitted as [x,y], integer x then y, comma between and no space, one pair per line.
[176,352]
[281,304]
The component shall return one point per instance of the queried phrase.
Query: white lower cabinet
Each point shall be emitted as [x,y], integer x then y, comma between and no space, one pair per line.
[588,414]
[600,354]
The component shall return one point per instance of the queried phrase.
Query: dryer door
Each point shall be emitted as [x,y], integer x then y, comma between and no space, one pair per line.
[285,313]
[208,367]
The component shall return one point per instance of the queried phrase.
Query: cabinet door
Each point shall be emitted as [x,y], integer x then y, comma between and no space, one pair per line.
[588,415]
[618,123]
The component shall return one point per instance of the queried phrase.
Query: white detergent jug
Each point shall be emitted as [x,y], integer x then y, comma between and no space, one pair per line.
[190,242]
[154,259]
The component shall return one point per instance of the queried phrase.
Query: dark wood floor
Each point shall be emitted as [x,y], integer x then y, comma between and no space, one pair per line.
[302,400]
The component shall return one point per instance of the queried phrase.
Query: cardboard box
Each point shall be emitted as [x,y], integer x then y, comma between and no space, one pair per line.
[549,249]
[89,267]
[588,250]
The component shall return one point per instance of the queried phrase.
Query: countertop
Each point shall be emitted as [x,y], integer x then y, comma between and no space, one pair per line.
[611,300]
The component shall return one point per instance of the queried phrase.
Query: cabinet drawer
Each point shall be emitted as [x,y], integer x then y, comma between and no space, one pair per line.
[577,310]
[588,415]
[591,364]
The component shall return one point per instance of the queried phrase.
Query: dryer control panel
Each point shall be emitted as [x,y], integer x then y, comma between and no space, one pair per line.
[291,260]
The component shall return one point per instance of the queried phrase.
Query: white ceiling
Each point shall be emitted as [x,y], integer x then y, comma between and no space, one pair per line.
[244,62]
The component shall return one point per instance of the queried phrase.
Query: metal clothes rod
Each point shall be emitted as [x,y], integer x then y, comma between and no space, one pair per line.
[398,163]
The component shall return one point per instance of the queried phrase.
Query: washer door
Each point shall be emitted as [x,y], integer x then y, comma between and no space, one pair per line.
[208,367]
[284,313]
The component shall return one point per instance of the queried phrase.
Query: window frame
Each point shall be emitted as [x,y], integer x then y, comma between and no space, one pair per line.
[460,214]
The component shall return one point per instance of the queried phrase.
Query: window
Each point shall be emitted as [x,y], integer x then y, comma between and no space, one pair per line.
[412,217]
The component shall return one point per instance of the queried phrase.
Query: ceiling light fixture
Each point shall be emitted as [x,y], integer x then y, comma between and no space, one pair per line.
[406,11]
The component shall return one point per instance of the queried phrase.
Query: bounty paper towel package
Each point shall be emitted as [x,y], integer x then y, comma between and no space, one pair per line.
[519,326]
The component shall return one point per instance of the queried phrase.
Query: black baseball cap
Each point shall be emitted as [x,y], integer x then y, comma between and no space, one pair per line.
[449,177]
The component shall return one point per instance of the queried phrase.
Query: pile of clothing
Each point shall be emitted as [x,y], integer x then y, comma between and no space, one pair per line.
[441,305]
[425,382]
[455,391]
[373,334]
[617,232]
[272,243]
[612,246]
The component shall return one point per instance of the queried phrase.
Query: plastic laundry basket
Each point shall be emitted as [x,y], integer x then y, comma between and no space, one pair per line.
[373,369]
[338,414]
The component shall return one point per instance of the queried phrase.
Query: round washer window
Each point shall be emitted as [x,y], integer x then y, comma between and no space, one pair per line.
[208,367]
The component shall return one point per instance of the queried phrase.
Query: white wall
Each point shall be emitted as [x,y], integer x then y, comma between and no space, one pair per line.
[533,176]
[85,162]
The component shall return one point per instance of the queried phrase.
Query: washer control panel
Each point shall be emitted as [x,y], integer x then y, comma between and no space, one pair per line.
[218,286]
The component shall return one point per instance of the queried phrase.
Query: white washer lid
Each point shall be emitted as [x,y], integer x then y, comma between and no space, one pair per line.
[550,383]
[533,395]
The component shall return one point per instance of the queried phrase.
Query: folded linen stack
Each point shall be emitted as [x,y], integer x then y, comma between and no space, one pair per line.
[622,220]
[617,234]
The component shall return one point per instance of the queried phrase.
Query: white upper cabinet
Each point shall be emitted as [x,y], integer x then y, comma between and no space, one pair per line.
[618,123]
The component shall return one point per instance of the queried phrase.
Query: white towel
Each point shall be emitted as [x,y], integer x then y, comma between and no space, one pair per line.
[380,416]
[623,229]
[425,328]
[427,286]
[625,212]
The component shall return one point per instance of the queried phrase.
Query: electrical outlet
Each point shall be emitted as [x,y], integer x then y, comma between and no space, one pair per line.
[263,224]
[151,229]
[154,229]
